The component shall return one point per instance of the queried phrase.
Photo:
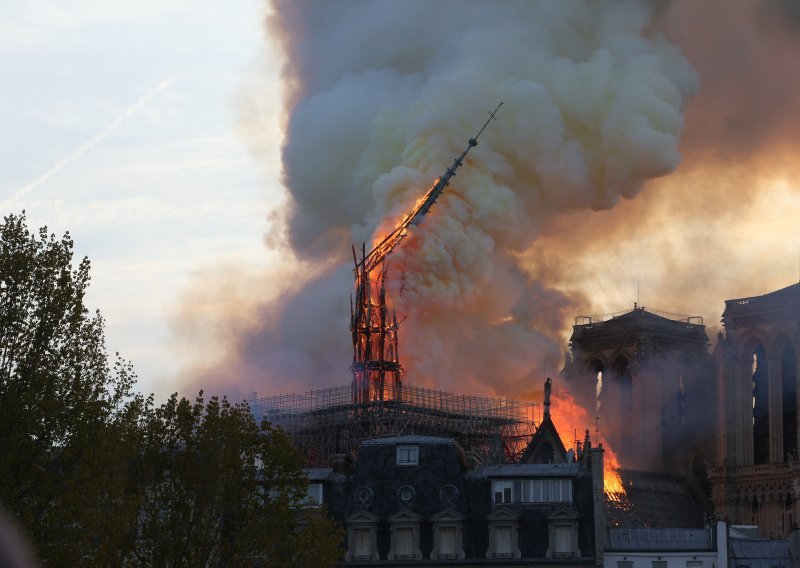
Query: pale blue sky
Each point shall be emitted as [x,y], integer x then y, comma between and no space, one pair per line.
[119,124]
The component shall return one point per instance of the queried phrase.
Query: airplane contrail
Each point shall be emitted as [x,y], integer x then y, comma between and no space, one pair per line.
[86,146]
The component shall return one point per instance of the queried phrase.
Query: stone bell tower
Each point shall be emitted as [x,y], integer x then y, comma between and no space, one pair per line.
[648,377]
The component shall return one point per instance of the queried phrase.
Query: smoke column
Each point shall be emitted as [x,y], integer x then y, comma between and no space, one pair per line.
[380,97]
[724,224]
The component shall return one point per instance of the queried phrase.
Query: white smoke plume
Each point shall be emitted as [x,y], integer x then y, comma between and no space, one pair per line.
[381,97]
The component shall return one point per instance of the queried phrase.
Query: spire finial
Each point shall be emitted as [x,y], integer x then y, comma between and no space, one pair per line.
[548,385]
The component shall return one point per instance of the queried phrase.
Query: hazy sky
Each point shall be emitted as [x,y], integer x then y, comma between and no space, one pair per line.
[119,124]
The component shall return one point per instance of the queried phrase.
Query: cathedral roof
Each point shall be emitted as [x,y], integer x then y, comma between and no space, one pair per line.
[626,326]
[656,500]
[639,316]
[778,300]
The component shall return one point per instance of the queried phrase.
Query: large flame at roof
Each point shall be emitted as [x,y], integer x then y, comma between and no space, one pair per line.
[572,421]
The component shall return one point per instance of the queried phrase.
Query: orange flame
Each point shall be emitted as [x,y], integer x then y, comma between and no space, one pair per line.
[571,419]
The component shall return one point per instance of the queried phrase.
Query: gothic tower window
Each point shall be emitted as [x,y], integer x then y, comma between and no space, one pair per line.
[622,375]
[789,385]
[760,407]
[598,368]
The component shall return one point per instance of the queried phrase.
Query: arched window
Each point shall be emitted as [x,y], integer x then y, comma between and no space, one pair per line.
[760,406]
[622,376]
[789,386]
[597,369]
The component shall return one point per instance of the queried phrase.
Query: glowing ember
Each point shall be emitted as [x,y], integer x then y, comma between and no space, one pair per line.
[572,420]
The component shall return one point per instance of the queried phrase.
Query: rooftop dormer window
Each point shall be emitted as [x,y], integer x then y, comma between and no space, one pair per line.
[531,491]
[407,455]
[313,497]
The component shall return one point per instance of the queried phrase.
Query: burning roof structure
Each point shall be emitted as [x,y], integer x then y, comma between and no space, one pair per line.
[330,422]
[334,421]
[656,500]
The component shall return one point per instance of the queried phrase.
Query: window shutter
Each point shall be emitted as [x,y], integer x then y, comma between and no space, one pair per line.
[405,542]
[502,540]
[361,546]
[447,540]
[563,541]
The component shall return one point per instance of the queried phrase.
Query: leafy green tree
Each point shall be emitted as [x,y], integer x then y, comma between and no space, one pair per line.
[219,490]
[57,392]
[99,476]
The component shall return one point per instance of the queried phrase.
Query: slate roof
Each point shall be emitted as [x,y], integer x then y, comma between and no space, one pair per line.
[529,470]
[655,500]
[779,299]
[760,553]
[640,318]
[657,539]
[318,473]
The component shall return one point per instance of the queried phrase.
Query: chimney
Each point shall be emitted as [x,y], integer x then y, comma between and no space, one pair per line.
[342,463]
[599,500]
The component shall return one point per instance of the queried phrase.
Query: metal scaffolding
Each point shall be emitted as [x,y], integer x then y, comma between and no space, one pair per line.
[332,421]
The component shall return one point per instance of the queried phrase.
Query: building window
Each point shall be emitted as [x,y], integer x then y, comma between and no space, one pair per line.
[503,490]
[362,544]
[563,533]
[503,534]
[313,496]
[404,526]
[407,455]
[447,535]
[624,563]
[362,531]
[659,564]
[694,564]
[562,537]
[404,543]
[532,491]
[448,548]
[503,546]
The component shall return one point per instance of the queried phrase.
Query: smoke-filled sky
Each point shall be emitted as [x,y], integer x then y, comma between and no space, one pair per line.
[639,141]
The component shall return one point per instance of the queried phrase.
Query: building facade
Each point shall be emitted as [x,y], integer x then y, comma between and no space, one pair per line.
[649,378]
[757,478]
[705,547]
[421,501]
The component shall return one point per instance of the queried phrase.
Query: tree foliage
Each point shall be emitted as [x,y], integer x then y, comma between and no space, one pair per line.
[217,489]
[98,475]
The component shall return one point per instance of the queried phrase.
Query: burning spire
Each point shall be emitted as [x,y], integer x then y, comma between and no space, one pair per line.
[374,333]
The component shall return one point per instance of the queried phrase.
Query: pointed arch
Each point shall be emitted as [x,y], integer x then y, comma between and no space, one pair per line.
[623,380]
[755,364]
[598,369]
[785,359]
